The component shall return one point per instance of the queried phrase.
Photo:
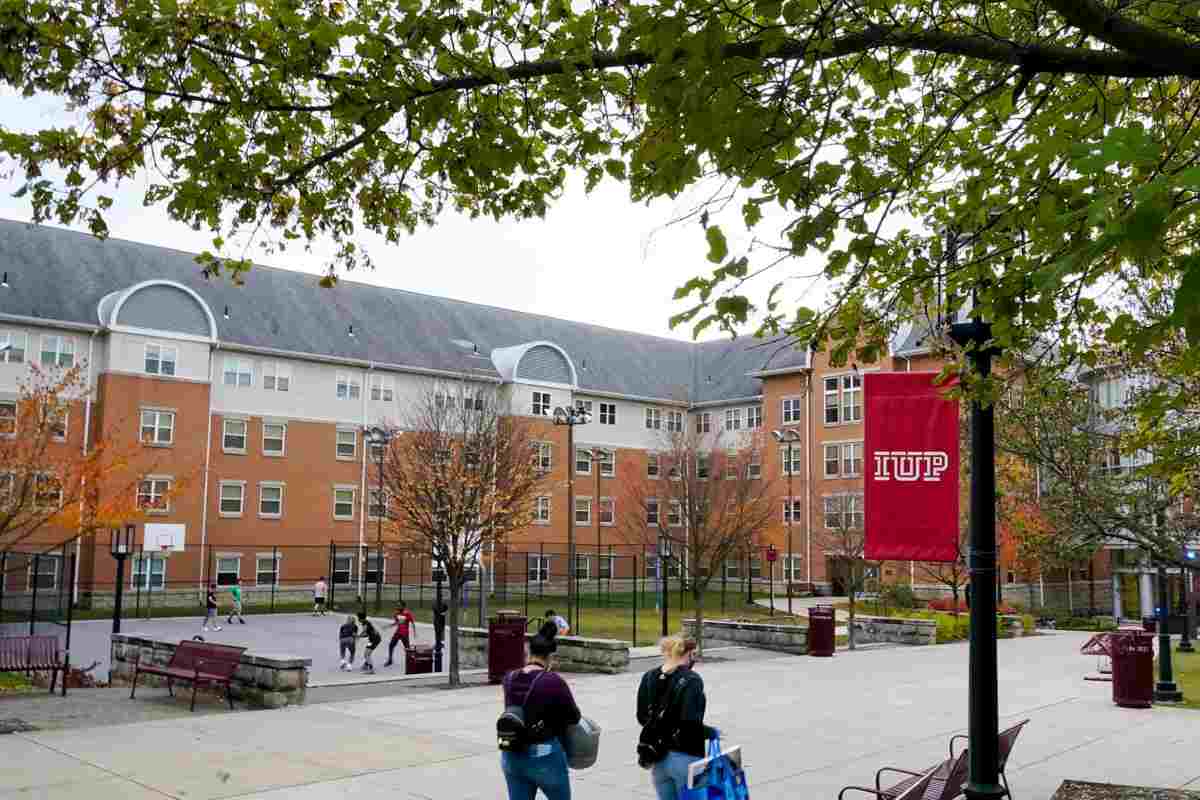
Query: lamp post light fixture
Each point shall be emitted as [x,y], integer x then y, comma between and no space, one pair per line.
[378,438]
[788,436]
[121,549]
[570,417]
[664,558]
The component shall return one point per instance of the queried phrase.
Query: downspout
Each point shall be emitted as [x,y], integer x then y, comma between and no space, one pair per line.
[808,475]
[362,518]
[212,365]
[87,427]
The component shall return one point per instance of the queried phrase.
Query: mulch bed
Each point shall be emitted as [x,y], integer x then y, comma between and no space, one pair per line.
[1082,790]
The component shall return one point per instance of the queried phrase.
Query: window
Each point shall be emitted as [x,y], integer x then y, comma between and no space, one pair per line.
[233,439]
[652,567]
[583,511]
[58,351]
[377,504]
[274,438]
[473,401]
[608,463]
[229,569]
[755,568]
[232,495]
[239,372]
[754,418]
[675,421]
[832,410]
[583,461]
[1113,392]
[47,492]
[56,421]
[158,427]
[652,470]
[160,359]
[843,511]
[607,510]
[46,574]
[270,500]
[347,444]
[791,410]
[371,572]
[608,413]
[266,570]
[702,460]
[542,456]
[605,567]
[6,489]
[541,404]
[653,419]
[797,464]
[843,460]
[733,419]
[733,568]
[673,472]
[754,467]
[17,342]
[343,569]
[541,511]
[8,417]
[382,388]
[149,571]
[343,503]
[731,464]
[652,511]
[152,495]
[843,399]
[674,513]
[277,376]
[585,406]
[348,386]
[539,568]
[445,400]
[583,566]
[791,568]
[792,510]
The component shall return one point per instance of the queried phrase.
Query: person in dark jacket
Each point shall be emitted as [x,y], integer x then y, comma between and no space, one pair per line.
[678,691]
[549,709]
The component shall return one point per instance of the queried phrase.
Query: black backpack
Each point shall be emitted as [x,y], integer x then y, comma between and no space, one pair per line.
[514,733]
[659,733]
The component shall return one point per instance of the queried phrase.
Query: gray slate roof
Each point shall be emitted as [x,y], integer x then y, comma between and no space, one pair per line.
[58,274]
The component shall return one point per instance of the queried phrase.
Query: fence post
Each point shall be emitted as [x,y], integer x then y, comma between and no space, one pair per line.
[611,568]
[724,580]
[3,581]
[542,583]
[137,572]
[67,646]
[33,605]
[527,583]
[332,582]
[420,581]
[400,588]
[150,583]
[504,581]
[274,573]
[635,598]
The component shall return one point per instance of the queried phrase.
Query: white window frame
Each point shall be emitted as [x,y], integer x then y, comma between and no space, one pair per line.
[584,405]
[542,508]
[139,574]
[653,465]
[729,468]
[5,417]
[791,565]
[55,574]
[733,419]
[853,509]
[754,466]
[62,347]
[347,386]
[282,437]
[797,464]
[791,410]
[540,404]
[163,493]
[276,376]
[259,558]
[653,419]
[754,417]
[349,558]
[159,352]
[839,403]
[159,415]
[583,459]
[339,442]
[218,572]
[605,567]
[586,517]
[353,490]
[703,466]
[674,512]
[226,447]
[543,456]
[539,568]
[796,504]
[241,370]
[704,422]
[383,388]
[608,463]
[610,504]
[261,499]
[674,421]
[653,511]
[373,505]
[608,413]
[843,453]
[241,487]
[14,354]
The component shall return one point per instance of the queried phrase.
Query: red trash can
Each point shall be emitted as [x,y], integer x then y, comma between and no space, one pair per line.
[418,660]
[506,644]
[1133,669]
[820,631]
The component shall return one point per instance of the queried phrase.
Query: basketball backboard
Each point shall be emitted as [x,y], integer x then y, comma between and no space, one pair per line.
[162,537]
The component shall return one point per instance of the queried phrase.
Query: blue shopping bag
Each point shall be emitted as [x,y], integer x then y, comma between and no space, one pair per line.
[724,780]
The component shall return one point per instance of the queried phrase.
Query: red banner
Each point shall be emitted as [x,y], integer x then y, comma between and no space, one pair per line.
[911,468]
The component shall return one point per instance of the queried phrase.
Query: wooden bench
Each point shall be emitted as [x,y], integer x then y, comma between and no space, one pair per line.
[199,663]
[32,654]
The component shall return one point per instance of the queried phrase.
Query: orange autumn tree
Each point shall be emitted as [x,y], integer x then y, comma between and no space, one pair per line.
[1023,526]
[52,489]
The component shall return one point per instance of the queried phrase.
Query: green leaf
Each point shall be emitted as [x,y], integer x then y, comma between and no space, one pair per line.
[718,248]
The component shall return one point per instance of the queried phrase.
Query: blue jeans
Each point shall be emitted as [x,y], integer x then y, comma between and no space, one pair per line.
[542,766]
[670,775]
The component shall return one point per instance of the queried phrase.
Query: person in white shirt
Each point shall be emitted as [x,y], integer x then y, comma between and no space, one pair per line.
[319,598]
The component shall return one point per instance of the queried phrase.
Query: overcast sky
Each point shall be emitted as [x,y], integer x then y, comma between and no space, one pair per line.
[597,258]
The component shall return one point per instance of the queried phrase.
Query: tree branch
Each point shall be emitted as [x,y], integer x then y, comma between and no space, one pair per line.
[1167,52]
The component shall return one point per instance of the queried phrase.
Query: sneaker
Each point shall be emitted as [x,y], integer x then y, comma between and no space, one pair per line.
[242,620]
[217,628]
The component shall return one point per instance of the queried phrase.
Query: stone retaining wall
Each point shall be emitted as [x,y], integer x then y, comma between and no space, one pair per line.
[782,638]
[894,630]
[574,654]
[262,681]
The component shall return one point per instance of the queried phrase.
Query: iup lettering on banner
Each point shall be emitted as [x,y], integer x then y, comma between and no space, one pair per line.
[911,459]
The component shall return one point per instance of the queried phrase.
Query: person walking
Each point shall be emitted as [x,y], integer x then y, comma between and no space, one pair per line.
[670,709]
[210,605]
[319,589]
[560,624]
[347,638]
[402,620]
[235,591]
[549,708]
[373,637]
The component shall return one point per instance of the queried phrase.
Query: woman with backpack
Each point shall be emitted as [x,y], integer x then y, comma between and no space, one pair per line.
[538,708]
[670,709]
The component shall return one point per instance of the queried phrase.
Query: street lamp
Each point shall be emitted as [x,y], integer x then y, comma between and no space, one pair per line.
[1189,611]
[664,557]
[439,612]
[597,458]
[571,416]
[1165,690]
[121,549]
[772,555]
[378,438]
[789,437]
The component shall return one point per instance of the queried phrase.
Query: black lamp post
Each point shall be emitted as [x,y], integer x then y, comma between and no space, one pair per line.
[571,416]
[664,558]
[378,438]
[439,615]
[788,437]
[772,554]
[121,548]
[1189,618]
[1166,690]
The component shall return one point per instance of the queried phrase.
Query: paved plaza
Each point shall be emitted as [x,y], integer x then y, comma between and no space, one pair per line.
[808,726]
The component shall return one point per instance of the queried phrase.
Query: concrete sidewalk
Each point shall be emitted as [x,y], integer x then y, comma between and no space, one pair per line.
[807,725]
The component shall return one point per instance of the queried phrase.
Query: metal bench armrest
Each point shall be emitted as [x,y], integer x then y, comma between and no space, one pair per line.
[862,789]
[879,775]
[962,736]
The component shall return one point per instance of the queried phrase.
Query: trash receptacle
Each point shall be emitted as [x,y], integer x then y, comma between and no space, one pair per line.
[1133,669]
[820,631]
[418,660]
[506,644]
[1150,624]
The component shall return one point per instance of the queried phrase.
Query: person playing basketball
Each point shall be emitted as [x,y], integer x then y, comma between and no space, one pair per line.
[402,619]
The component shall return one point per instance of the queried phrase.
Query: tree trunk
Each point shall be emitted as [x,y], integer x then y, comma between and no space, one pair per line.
[954,594]
[698,601]
[1091,591]
[850,627]
[456,585]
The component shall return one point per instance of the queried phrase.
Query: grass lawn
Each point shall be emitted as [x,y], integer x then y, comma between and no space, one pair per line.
[14,682]
[1187,675]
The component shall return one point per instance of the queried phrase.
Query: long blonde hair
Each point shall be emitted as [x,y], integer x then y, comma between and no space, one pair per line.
[677,645]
